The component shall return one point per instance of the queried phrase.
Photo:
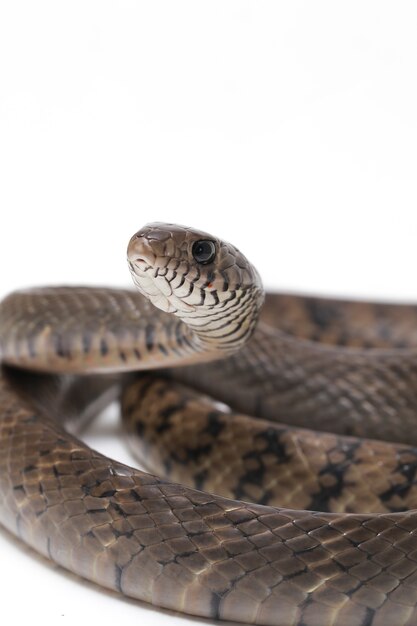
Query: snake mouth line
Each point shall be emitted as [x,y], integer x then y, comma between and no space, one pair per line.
[142,265]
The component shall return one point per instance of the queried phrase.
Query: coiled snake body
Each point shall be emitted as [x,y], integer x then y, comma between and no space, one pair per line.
[344,548]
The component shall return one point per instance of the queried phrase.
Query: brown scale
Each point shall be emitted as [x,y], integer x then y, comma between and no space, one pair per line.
[186,437]
[366,387]
[342,322]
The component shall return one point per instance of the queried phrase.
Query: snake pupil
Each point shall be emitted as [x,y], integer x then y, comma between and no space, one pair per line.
[204,251]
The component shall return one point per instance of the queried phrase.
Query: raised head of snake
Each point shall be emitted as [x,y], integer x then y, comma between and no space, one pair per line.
[205,281]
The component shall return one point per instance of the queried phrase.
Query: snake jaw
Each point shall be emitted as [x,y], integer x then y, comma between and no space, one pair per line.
[157,288]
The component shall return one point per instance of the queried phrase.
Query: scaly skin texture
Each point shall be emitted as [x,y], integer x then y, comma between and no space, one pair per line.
[177,433]
[185,549]
[365,392]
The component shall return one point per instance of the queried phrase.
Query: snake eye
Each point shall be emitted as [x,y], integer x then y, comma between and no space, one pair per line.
[204,251]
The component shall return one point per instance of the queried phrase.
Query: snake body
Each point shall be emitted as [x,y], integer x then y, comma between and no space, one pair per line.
[308,363]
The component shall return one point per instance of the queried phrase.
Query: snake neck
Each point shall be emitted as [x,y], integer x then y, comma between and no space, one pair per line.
[226,327]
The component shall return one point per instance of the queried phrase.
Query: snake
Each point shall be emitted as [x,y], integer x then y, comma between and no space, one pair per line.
[283,488]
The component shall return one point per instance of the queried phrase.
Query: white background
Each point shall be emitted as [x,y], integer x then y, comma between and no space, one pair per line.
[289,128]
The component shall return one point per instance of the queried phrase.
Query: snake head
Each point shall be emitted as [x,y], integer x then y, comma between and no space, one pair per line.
[200,278]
